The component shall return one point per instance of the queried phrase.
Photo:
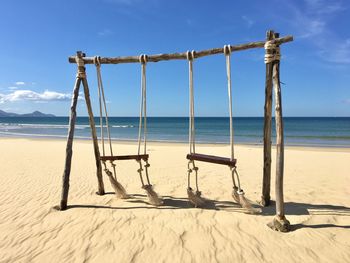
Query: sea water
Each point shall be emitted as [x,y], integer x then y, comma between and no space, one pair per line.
[304,131]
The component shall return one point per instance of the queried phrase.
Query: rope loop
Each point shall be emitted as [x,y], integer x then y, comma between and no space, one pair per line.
[97,61]
[227,50]
[190,55]
[143,58]
[278,53]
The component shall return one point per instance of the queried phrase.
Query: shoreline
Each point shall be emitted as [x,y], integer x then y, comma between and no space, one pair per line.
[311,132]
[178,143]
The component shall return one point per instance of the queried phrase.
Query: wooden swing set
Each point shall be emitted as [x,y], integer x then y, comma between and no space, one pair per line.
[272,61]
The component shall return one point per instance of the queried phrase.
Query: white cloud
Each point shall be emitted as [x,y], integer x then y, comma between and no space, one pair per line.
[322,7]
[29,95]
[312,23]
[312,27]
[12,88]
[248,21]
[339,53]
[19,83]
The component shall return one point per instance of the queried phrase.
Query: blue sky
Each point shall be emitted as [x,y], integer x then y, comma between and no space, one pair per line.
[38,36]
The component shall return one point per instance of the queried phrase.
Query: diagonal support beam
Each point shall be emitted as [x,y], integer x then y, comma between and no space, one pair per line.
[69,151]
[81,78]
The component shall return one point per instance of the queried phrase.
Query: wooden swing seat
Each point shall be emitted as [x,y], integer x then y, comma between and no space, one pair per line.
[136,157]
[211,159]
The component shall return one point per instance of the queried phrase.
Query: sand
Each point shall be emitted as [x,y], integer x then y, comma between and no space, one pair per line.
[105,229]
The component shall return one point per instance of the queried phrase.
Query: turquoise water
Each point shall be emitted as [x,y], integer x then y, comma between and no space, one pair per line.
[307,131]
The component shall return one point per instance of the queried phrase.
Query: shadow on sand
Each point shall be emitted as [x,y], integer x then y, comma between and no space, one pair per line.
[170,202]
[291,208]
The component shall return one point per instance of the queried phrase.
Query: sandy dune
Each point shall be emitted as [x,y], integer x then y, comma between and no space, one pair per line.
[105,229]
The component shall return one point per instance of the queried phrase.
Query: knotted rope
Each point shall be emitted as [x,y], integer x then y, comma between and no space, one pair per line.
[118,188]
[237,193]
[227,53]
[194,197]
[102,101]
[272,52]
[81,67]
[152,195]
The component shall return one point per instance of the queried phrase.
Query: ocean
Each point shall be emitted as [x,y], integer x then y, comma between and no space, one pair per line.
[299,131]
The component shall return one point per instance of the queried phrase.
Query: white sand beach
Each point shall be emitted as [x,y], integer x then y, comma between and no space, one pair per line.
[105,229]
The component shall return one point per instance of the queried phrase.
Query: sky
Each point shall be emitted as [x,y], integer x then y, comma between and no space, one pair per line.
[38,36]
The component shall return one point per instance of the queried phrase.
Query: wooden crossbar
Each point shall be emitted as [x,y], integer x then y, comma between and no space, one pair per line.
[137,157]
[211,159]
[183,55]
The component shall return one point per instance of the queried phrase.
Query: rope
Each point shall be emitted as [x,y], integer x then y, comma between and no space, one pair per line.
[140,173]
[272,52]
[79,61]
[227,52]
[233,173]
[143,113]
[190,57]
[238,181]
[102,100]
[189,171]
[81,67]
[147,165]
[98,72]
[101,92]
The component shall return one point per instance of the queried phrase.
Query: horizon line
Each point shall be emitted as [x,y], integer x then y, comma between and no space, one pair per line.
[213,116]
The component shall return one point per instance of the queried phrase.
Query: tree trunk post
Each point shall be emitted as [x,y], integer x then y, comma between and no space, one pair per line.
[81,67]
[69,151]
[265,198]
[280,223]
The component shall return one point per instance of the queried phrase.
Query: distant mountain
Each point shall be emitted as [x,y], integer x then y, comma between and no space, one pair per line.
[33,114]
[7,114]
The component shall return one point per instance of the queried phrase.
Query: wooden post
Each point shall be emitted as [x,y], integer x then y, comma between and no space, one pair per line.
[69,152]
[280,223]
[265,198]
[81,66]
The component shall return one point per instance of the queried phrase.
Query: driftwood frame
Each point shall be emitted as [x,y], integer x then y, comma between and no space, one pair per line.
[272,83]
